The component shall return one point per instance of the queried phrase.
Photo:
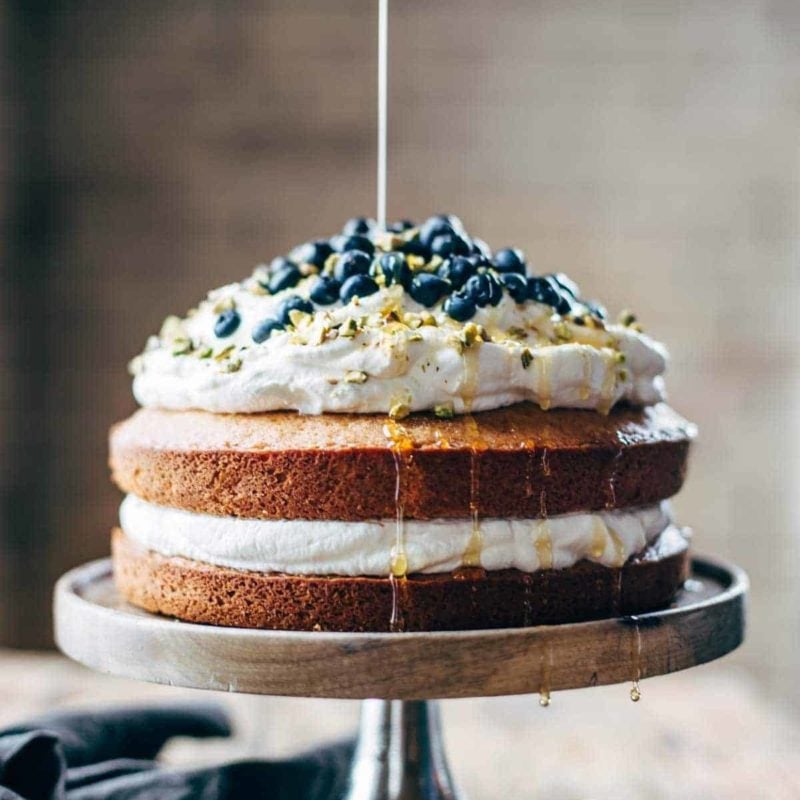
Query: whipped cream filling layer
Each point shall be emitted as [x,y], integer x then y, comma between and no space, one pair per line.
[300,547]
[385,353]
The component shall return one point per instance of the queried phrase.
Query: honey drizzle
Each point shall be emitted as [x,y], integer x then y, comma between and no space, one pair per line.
[545,666]
[599,538]
[543,542]
[545,468]
[636,659]
[545,390]
[609,384]
[586,385]
[611,482]
[476,444]
[402,446]
[472,553]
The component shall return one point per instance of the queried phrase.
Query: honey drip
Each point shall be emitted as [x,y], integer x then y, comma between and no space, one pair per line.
[619,562]
[609,384]
[611,482]
[546,664]
[586,385]
[543,542]
[545,390]
[545,466]
[472,553]
[402,447]
[476,444]
[636,659]
[599,538]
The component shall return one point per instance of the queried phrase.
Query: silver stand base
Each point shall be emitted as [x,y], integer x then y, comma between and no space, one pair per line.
[399,754]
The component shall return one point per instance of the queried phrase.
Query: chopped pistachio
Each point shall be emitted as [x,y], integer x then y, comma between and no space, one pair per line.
[622,374]
[472,333]
[298,317]
[428,319]
[444,411]
[517,333]
[355,376]
[225,352]
[562,331]
[330,263]
[349,328]
[181,346]
[225,304]
[526,356]
[415,337]
[620,357]
[399,410]
[257,289]
[234,365]
[205,352]
[626,318]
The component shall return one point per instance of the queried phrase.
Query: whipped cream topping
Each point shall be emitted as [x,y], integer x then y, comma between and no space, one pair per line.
[385,353]
[302,547]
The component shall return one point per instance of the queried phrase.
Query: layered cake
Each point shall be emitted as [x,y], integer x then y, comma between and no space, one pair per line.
[398,430]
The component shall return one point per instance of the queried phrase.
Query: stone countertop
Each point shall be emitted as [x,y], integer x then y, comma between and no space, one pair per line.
[705,733]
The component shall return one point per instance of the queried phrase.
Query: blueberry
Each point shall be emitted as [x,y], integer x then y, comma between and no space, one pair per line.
[227,322]
[479,261]
[510,259]
[457,270]
[325,291]
[353,262]
[401,225]
[394,269]
[428,289]
[293,303]
[450,219]
[416,248]
[344,244]
[450,244]
[566,283]
[358,226]
[597,309]
[357,286]
[460,307]
[277,264]
[565,303]
[484,289]
[437,226]
[546,290]
[265,329]
[315,253]
[516,285]
[480,248]
[284,278]
[543,291]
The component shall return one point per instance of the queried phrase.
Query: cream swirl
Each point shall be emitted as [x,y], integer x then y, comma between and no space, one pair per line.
[386,353]
[322,547]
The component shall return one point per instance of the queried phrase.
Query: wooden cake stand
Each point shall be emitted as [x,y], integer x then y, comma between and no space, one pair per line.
[399,754]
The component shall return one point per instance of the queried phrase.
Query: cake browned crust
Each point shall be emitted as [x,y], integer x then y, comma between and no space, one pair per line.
[528,462]
[472,599]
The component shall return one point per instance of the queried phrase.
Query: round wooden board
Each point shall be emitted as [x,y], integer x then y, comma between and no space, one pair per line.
[94,626]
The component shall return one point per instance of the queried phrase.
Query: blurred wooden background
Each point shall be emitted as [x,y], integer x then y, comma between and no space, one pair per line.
[153,150]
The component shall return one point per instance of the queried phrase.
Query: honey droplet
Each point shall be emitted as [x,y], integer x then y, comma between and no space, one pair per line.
[544,698]
[399,564]
[636,694]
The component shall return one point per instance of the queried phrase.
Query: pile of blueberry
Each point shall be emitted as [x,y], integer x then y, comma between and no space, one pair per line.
[466,276]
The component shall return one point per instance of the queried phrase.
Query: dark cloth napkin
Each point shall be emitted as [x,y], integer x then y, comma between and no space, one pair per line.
[110,755]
